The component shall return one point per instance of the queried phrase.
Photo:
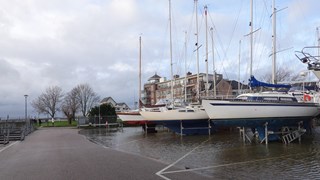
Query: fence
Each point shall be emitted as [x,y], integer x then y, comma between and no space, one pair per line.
[99,121]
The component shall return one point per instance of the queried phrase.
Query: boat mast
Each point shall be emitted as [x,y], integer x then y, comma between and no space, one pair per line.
[185,68]
[251,36]
[139,103]
[207,77]
[274,81]
[239,67]
[318,34]
[214,68]
[197,49]
[171,53]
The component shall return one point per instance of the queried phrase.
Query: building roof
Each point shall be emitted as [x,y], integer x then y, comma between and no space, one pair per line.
[154,77]
[121,104]
[106,99]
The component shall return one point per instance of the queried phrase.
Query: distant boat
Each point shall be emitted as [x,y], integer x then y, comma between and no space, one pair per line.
[131,118]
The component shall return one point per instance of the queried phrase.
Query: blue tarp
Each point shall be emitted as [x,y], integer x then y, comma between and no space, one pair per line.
[253,82]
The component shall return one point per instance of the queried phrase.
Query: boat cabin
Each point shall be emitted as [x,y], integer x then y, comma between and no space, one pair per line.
[267,97]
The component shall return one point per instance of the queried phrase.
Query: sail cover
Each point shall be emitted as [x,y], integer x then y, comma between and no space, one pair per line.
[253,82]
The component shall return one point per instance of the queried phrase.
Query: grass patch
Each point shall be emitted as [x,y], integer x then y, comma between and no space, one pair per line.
[57,123]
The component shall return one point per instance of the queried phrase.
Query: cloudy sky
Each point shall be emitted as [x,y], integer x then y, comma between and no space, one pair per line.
[69,42]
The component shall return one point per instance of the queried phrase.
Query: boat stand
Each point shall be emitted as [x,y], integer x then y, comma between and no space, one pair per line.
[149,129]
[243,134]
[266,134]
[195,128]
[287,135]
[145,127]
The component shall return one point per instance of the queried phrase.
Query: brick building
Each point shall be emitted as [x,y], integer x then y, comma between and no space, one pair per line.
[158,88]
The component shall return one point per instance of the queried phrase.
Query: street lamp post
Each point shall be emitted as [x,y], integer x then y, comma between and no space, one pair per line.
[26,111]
[99,115]
[26,107]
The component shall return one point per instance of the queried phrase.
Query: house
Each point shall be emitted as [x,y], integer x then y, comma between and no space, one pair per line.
[119,107]
[108,100]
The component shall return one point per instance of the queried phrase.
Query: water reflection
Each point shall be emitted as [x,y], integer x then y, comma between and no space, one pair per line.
[222,155]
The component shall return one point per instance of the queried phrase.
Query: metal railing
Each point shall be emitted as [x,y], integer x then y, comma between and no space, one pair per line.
[15,129]
[96,121]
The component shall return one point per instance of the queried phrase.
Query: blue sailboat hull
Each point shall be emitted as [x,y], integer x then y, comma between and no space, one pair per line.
[188,127]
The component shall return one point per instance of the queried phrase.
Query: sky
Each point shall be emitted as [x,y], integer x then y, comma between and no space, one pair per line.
[69,42]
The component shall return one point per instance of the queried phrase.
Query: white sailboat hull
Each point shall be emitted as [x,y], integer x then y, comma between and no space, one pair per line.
[181,121]
[171,115]
[224,109]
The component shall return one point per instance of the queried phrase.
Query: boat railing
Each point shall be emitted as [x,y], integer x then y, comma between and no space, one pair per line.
[264,101]
[306,57]
[229,97]
[255,100]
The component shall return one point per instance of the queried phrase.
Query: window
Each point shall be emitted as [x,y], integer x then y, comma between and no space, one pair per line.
[288,99]
[187,110]
[270,98]
[252,98]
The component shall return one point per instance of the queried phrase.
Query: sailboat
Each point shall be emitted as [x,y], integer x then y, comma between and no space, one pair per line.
[184,120]
[273,110]
[133,117]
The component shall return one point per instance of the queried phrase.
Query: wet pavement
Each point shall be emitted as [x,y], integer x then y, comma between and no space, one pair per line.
[222,155]
[61,153]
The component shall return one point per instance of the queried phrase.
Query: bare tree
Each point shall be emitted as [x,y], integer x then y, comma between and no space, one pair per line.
[70,105]
[86,97]
[281,76]
[49,101]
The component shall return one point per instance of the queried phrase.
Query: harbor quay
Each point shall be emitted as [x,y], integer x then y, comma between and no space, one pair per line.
[63,153]
[221,155]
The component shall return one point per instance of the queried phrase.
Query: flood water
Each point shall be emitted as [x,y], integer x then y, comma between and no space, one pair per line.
[222,155]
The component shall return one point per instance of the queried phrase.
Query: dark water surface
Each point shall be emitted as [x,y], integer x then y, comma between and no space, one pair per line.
[222,155]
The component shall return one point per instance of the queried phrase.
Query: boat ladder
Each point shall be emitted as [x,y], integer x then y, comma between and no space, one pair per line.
[288,138]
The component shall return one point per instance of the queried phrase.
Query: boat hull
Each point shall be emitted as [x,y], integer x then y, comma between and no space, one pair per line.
[188,127]
[186,123]
[253,111]
[172,115]
[131,118]
[272,122]
[260,115]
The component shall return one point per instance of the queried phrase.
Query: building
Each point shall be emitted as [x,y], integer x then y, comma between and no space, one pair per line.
[238,87]
[108,100]
[158,88]
[119,107]
[150,88]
